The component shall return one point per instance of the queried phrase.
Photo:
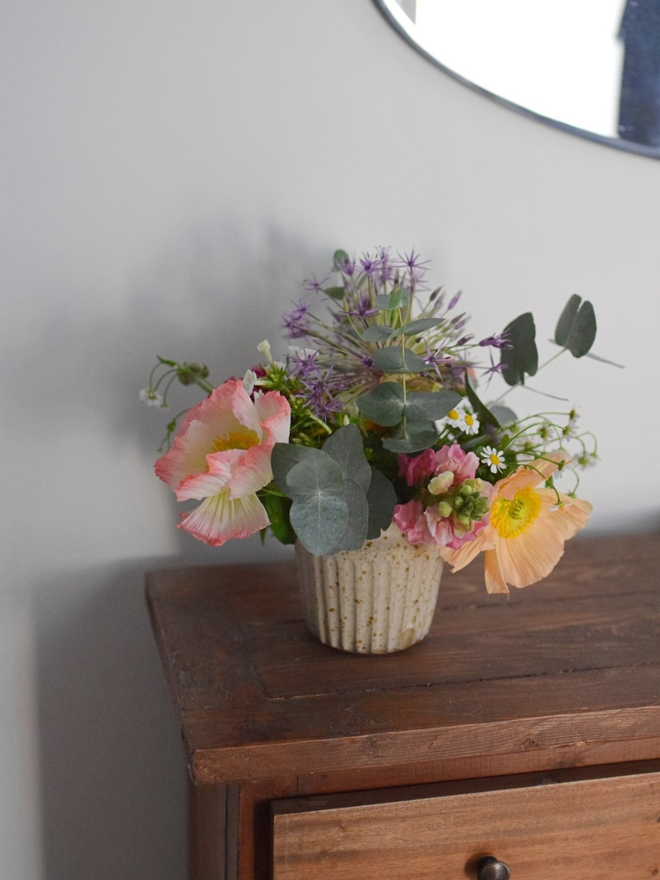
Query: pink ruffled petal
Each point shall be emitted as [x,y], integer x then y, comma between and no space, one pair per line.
[274,413]
[252,473]
[245,410]
[219,519]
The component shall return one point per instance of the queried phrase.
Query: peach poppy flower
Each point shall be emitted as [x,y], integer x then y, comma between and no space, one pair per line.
[221,456]
[525,537]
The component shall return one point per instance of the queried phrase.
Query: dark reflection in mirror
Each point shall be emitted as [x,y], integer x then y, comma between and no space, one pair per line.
[589,67]
[639,111]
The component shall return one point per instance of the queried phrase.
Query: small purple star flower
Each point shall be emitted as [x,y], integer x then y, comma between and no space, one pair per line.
[363,310]
[499,340]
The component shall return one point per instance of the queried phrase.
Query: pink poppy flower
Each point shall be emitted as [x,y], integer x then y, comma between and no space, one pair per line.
[221,456]
[525,537]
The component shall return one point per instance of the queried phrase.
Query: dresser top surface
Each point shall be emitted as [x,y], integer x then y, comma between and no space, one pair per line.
[573,659]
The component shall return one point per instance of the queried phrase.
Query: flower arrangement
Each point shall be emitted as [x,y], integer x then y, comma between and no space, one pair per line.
[376,417]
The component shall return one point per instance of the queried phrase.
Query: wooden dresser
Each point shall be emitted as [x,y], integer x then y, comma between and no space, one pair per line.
[527,730]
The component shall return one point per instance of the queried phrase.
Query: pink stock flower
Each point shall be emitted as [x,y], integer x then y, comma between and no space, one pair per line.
[416,470]
[452,458]
[221,456]
[449,468]
[463,465]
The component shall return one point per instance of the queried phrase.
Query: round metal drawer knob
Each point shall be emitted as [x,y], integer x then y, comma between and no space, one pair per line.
[490,868]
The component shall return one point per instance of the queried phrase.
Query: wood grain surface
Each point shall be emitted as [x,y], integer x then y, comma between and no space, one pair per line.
[569,831]
[567,665]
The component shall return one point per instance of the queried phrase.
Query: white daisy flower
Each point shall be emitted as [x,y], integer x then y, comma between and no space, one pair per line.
[493,459]
[151,397]
[456,419]
[470,423]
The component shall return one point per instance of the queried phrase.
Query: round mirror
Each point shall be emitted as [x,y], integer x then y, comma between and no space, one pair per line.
[590,67]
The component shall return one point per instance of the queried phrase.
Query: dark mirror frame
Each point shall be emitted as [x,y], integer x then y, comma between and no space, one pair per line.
[617,143]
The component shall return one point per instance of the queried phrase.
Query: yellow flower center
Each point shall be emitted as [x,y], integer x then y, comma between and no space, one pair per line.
[469,419]
[453,414]
[495,459]
[235,440]
[512,518]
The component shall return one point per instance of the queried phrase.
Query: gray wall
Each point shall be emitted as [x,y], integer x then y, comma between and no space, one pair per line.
[170,173]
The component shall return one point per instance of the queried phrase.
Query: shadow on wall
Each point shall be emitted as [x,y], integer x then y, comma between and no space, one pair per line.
[112,767]
[113,779]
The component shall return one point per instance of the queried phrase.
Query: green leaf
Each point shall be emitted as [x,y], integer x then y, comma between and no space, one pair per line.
[381,500]
[383,302]
[355,533]
[278,509]
[383,405]
[485,416]
[314,476]
[377,333]
[345,447]
[414,442]
[334,292]
[414,328]
[522,358]
[394,359]
[429,406]
[340,258]
[320,521]
[583,331]
[566,319]
[399,299]
[503,414]
[285,456]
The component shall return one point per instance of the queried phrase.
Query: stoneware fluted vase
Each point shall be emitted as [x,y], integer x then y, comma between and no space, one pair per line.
[375,600]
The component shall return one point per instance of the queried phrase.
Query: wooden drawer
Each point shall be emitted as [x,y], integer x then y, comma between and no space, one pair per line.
[556,831]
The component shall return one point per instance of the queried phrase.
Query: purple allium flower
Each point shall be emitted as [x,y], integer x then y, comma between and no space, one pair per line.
[437,359]
[363,310]
[499,340]
[295,322]
[313,285]
[371,265]
[304,365]
[367,361]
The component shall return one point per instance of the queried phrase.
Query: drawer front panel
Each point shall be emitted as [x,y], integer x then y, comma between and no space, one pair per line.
[568,831]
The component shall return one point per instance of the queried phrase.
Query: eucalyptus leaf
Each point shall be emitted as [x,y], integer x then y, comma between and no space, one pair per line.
[430,405]
[346,448]
[503,414]
[381,499]
[377,333]
[566,319]
[340,258]
[355,533]
[414,442]
[315,476]
[399,299]
[583,331]
[395,359]
[383,302]
[320,521]
[383,405]
[485,416]
[414,328]
[522,358]
[286,455]
[334,292]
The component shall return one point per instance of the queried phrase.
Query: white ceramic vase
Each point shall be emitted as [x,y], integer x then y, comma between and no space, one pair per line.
[375,600]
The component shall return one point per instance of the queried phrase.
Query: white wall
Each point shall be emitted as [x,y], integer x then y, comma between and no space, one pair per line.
[170,173]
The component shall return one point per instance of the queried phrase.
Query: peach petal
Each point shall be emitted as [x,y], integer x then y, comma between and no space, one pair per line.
[275,415]
[536,473]
[495,582]
[458,559]
[531,556]
[219,519]
[252,473]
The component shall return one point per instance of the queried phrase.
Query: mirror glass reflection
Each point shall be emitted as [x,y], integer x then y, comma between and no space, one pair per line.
[591,66]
